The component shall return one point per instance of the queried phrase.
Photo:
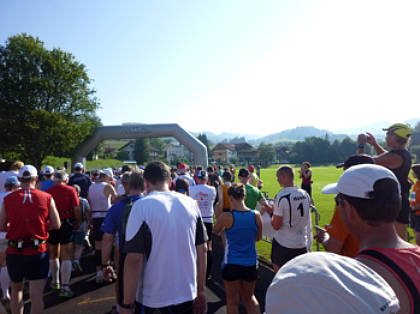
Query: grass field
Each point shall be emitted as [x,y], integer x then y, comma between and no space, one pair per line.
[321,176]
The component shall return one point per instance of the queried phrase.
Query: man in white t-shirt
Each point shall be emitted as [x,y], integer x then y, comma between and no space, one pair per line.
[165,235]
[205,195]
[182,173]
[292,220]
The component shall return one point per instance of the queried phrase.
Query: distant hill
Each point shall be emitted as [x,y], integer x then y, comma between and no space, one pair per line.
[297,134]
[301,132]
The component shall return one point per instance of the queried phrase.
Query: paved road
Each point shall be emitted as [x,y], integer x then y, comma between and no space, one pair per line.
[91,297]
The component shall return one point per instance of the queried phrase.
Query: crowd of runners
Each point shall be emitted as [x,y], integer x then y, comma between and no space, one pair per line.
[151,231]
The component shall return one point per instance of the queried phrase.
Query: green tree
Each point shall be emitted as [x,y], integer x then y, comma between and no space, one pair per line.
[141,151]
[203,139]
[46,104]
[267,153]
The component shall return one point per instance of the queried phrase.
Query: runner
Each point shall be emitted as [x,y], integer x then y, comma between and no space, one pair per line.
[305,173]
[101,195]
[12,184]
[78,177]
[14,171]
[27,212]
[253,195]
[80,235]
[166,235]
[61,241]
[114,225]
[205,196]
[243,227]
[368,198]
[47,182]
[182,173]
[292,220]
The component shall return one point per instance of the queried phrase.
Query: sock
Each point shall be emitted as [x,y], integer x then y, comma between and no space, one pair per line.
[209,262]
[65,272]
[4,282]
[55,270]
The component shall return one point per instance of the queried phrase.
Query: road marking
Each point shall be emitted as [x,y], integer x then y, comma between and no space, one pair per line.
[90,300]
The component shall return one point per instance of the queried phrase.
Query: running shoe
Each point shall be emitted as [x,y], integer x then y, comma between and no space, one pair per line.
[66,293]
[55,286]
[99,278]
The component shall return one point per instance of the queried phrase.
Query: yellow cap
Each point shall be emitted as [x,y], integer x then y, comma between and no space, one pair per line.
[401,129]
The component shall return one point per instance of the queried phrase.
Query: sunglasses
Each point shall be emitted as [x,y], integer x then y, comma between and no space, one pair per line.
[339,199]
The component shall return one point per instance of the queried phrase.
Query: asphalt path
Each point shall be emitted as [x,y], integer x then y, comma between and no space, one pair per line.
[91,297]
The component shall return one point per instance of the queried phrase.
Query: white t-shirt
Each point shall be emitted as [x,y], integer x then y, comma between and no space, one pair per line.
[205,196]
[293,204]
[166,227]
[190,180]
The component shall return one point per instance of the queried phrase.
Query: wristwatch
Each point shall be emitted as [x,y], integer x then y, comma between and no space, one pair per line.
[131,306]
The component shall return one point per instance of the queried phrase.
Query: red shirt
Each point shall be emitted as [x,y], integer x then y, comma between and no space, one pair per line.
[27,212]
[65,197]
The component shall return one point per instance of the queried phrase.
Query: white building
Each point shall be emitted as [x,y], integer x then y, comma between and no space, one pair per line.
[177,151]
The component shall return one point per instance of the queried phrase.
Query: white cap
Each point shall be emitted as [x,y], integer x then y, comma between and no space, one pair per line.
[48,170]
[30,170]
[319,283]
[78,165]
[108,172]
[358,181]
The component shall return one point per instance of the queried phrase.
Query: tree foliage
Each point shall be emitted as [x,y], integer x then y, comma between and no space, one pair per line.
[266,153]
[141,151]
[46,104]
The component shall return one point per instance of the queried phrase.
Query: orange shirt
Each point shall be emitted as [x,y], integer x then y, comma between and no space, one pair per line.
[416,199]
[226,202]
[338,230]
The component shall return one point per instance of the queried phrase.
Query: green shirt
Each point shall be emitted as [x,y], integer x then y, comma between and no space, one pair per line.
[253,195]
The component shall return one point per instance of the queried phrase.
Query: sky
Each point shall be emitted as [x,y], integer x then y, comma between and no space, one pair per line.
[239,66]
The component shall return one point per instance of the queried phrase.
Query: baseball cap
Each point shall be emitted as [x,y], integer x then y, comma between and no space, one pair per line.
[356,160]
[359,181]
[108,172]
[251,168]
[202,174]
[321,282]
[182,166]
[401,129]
[243,173]
[28,171]
[60,175]
[48,170]
[78,165]
[13,180]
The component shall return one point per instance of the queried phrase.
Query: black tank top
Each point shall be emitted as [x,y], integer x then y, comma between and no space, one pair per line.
[402,172]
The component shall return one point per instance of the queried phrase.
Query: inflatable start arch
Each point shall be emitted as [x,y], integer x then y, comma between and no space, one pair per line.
[134,131]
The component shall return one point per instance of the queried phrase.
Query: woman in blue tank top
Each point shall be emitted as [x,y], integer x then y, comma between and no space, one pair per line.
[243,227]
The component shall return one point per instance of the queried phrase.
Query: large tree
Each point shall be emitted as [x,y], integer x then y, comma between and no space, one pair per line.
[46,103]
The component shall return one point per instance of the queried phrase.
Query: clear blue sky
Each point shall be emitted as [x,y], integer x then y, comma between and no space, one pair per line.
[237,66]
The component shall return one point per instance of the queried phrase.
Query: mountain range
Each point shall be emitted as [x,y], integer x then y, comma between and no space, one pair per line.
[301,132]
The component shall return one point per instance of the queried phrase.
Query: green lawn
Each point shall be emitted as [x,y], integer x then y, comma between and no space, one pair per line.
[321,176]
